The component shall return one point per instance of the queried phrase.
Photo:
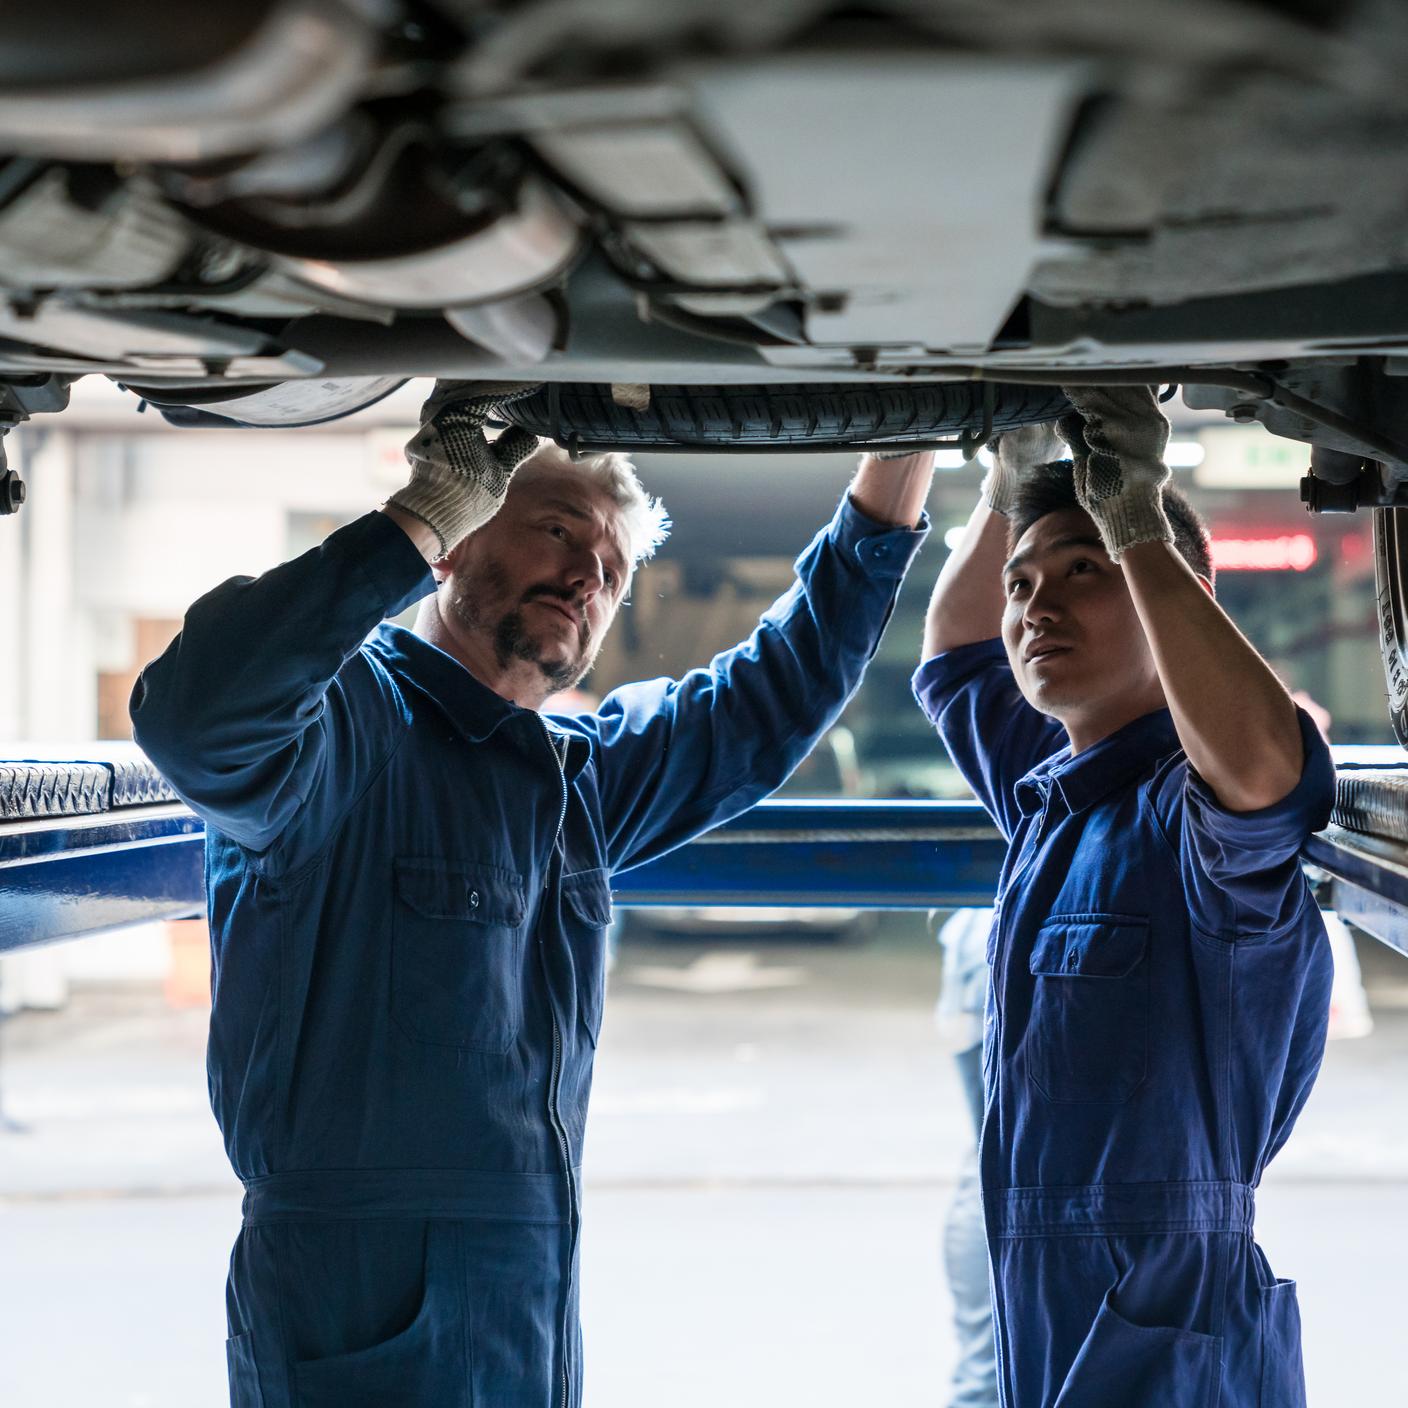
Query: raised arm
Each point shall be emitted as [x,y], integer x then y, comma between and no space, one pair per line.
[241,713]
[246,713]
[893,489]
[966,605]
[675,757]
[1234,718]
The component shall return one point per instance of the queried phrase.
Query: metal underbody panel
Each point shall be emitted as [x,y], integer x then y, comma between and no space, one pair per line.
[910,184]
[941,183]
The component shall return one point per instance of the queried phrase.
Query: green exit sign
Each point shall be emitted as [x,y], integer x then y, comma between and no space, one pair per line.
[1249,457]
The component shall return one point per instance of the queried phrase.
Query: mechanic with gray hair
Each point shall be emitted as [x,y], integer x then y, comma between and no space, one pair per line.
[1160,976]
[408,872]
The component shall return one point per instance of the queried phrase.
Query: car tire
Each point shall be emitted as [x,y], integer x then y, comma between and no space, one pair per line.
[584,416]
[1391,579]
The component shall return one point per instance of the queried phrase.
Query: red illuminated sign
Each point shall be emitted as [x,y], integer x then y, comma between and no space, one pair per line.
[1290,552]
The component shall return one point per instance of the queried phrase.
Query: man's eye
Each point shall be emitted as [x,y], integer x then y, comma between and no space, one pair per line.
[1082,564]
[609,578]
[1015,585]
[557,530]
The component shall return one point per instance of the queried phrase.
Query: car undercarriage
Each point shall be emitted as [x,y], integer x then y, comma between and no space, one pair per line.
[716,226]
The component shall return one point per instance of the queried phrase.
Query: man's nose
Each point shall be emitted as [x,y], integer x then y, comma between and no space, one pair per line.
[587,575]
[1043,605]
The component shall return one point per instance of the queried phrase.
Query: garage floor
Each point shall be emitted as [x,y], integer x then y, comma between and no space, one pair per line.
[775,1133]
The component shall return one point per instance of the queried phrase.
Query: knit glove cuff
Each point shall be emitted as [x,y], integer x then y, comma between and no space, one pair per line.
[1135,514]
[1120,479]
[459,479]
[999,489]
[1016,456]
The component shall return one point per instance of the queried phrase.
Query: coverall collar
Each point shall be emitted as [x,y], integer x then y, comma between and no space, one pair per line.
[1084,779]
[475,710]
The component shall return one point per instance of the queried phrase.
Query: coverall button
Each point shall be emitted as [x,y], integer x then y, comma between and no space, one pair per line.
[474,899]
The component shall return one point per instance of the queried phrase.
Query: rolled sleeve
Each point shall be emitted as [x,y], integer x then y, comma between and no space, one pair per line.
[881,549]
[990,731]
[941,677]
[1244,867]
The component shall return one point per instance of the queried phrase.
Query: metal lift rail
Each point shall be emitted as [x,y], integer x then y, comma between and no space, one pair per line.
[87,846]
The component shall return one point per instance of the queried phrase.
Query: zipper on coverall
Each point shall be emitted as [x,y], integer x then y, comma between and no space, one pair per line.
[555,1080]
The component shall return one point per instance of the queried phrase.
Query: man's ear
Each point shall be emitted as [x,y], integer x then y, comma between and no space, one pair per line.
[1207,585]
[443,566]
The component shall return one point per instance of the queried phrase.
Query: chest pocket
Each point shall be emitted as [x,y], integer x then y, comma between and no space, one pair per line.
[1088,1040]
[457,954]
[586,909]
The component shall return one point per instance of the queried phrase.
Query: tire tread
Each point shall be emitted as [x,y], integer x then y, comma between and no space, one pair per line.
[750,417]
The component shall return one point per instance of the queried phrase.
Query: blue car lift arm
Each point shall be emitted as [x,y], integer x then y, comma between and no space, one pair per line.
[62,877]
[1368,882]
[133,853]
[853,855]
[87,846]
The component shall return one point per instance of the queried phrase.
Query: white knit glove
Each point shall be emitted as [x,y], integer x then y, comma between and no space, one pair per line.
[1117,443]
[458,478]
[1015,454]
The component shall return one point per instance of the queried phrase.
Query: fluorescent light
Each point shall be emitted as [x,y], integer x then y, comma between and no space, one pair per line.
[947,459]
[1183,454]
[954,536]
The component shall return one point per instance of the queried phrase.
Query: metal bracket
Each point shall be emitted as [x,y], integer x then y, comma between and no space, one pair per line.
[18,401]
[12,488]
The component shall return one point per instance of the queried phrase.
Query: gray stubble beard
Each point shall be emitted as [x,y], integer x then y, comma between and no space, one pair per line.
[511,638]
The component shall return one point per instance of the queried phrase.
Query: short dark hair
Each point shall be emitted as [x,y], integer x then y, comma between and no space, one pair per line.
[1051,488]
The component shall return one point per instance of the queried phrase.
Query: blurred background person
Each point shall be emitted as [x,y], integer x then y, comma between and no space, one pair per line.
[959,1018]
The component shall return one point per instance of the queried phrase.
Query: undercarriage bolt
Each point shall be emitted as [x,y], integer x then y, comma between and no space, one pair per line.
[12,492]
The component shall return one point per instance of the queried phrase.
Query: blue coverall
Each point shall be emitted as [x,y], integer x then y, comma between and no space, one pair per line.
[1156,1019]
[408,882]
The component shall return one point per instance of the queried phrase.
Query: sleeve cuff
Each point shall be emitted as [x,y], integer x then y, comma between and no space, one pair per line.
[386,557]
[936,679]
[881,549]
[1307,805]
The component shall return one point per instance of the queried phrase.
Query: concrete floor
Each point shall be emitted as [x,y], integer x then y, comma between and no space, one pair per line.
[773,1143]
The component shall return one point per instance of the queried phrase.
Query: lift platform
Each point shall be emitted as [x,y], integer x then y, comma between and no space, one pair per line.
[91,845]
